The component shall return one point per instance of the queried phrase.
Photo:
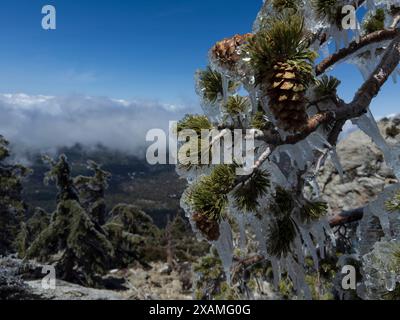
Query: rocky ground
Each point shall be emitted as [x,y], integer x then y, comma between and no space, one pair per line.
[68,291]
[160,282]
[365,171]
[153,284]
[21,280]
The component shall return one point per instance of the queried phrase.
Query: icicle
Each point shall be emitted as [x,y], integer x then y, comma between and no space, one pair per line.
[307,150]
[337,37]
[325,50]
[369,232]
[298,248]
[275,271]
[253,96]
[259,230]
[318,233]
[310,246]
[288,263]
[318,142]
[363,70]
[346,38]
[316,190]
[224,246]
[295,155]
[328,230]
[368,125]
[276,174]
[336,162]
[276,156]
[379,270]
[377,208]
[241,221]
[391,281]
[357,33]
[296,274]
[371,5]
[394,77]
[225,87]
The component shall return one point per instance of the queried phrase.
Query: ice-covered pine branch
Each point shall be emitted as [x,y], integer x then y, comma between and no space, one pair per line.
[273,82]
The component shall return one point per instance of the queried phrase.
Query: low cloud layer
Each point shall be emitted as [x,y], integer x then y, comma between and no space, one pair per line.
[44,123]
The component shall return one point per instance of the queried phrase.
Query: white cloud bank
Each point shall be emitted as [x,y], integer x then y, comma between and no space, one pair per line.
[43,123]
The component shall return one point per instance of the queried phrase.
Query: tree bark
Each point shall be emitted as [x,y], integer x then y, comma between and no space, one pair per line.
[347,217]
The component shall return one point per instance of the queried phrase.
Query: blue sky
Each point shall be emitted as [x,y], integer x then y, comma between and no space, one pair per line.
[128,49]
[119,48]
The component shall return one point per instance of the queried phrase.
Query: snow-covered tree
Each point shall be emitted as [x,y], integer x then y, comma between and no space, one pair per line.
[276,82]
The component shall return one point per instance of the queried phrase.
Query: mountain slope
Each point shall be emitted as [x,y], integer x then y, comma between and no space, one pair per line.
[155,189]
[365,171]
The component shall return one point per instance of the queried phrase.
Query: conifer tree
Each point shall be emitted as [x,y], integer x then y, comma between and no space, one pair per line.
[180,242]
[12,208]
[290,104]
[92,192]
[133,235]
[31,229]
[75,243]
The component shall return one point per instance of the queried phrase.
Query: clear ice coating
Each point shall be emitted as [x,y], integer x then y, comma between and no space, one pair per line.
[241,221]
[368,125]
[210,110]
[316,190]
[289,163]
[336,162]
[378,223]
[301,154]
[368,58]
[381,270]
[224,246]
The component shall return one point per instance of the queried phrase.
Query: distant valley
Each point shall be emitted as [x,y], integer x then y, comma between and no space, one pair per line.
[155,189]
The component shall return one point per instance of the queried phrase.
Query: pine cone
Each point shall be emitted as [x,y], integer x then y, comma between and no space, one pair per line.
[287,97]
[225,51]
[208,227]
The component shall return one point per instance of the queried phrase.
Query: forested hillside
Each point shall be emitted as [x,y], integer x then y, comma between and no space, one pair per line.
[155,189]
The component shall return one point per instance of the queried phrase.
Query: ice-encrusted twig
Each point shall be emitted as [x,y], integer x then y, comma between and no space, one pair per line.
[342,218]
[264,156]
[346,217]
[372,86]
[377,36]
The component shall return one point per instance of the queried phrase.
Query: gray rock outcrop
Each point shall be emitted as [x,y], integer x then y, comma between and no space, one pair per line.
[365,171]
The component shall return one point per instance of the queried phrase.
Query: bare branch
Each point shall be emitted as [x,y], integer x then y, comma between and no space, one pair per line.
[264,156]
[313,123]
[246,262]
[273,138]
[396,21]
[346,217]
